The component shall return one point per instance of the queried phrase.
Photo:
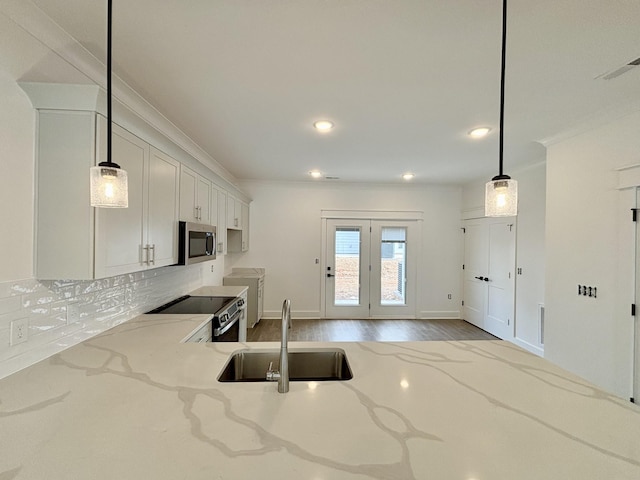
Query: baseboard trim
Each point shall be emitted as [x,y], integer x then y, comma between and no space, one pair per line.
[528,346]
[436,315]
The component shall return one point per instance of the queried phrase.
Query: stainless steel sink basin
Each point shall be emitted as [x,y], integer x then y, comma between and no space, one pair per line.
[304,365]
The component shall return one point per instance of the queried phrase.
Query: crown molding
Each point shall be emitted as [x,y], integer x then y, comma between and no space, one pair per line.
[41,27]
[592,122]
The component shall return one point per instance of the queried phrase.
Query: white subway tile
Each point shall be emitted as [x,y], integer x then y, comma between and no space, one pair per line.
[10,304]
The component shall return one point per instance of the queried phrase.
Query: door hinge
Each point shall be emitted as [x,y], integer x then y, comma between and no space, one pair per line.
[634,214]
[633,309]
[463,303]
[463,266]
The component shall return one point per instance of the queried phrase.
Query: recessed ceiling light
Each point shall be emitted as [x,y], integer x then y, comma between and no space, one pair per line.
[479,132]
[315,173]
[323,125]
[408,176]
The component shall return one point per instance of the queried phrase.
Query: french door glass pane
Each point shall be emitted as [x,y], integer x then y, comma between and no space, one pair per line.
[347,264]
[393,268]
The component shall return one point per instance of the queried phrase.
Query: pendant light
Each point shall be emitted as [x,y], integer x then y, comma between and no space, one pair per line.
[501,193]
[109,187]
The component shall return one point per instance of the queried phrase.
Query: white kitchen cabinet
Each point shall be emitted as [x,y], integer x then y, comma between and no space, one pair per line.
[195,197]
[245,227]
[77,241]
[234,213]
[221,225]
[238,239]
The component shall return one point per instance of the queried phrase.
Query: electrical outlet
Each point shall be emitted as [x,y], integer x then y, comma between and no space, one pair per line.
[19,331]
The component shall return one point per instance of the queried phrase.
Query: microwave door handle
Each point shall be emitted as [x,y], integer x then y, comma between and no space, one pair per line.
[211,244]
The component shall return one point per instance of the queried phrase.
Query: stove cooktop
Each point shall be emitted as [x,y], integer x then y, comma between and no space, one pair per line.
[194,305]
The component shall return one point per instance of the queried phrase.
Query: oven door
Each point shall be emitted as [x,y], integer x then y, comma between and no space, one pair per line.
[229,331]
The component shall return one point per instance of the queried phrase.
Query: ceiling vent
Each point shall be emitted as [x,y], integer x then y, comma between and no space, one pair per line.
[332,178]
[619,71]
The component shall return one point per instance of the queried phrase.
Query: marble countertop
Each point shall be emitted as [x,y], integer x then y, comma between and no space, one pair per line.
[246,273]
[134,403]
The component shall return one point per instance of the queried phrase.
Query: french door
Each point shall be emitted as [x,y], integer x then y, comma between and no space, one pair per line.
[489,275]
[370,268]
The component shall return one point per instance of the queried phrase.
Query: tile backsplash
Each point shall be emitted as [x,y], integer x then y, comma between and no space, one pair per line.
[60,313]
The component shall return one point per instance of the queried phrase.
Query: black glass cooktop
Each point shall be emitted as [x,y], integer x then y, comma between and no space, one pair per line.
[194,305]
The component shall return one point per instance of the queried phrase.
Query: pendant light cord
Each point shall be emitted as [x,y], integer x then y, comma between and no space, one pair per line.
[502,76]
[109,22]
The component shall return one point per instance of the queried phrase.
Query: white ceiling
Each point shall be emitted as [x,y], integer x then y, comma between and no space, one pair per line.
[403,80]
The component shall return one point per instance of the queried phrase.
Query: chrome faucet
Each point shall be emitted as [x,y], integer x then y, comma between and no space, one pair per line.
[282,375]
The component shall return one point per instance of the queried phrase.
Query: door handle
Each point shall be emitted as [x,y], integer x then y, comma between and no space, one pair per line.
[486,279]
[479,278]
[330,275]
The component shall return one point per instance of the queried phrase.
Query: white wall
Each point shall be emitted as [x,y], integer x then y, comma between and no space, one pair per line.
[286,239]
[530,250]
[589,241]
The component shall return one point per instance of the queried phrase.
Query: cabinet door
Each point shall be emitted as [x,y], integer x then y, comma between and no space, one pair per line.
[188,186]
[119,231]
[162,218]
[245,226]
[203,202]
[222,222]
[232,219]
[65,150]
[213,210]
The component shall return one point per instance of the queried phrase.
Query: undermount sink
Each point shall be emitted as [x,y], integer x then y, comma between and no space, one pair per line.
[304,365]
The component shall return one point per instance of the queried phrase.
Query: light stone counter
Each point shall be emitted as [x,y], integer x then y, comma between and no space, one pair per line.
[133,403]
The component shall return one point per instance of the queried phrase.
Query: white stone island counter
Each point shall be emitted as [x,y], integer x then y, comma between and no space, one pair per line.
[134,403]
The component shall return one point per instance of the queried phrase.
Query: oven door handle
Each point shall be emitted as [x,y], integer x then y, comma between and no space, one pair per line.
[223,329]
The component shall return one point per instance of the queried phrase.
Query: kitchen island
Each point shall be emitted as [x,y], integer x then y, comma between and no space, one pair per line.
[134,403]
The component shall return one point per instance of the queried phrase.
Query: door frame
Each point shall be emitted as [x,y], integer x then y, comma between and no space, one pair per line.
[406,215]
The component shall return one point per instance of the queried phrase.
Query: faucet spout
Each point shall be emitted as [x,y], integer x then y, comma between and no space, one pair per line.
[283,381]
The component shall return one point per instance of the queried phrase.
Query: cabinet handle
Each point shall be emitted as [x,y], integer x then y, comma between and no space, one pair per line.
[152,248]
[145,260]
[235,222]
[195,215]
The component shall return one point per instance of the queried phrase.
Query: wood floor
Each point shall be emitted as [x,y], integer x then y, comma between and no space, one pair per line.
[312,330]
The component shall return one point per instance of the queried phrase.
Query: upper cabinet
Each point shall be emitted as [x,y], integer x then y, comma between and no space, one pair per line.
[76,241]
[234,213]
[221,219]
[195,197]
[238,238]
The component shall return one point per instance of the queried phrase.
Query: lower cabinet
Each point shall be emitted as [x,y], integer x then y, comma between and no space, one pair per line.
[255,294]
[77,241]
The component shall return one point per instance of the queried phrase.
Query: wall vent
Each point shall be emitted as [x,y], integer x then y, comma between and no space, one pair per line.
[621,70]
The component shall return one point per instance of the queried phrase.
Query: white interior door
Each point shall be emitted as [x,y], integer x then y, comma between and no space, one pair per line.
[476,266]
[489,275]
[370,268]
[501,279]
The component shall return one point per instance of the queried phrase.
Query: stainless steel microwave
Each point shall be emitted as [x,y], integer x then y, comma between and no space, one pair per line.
[197,243]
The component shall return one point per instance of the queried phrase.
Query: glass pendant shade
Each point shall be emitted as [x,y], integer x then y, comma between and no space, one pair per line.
[501,198]
[109,188]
